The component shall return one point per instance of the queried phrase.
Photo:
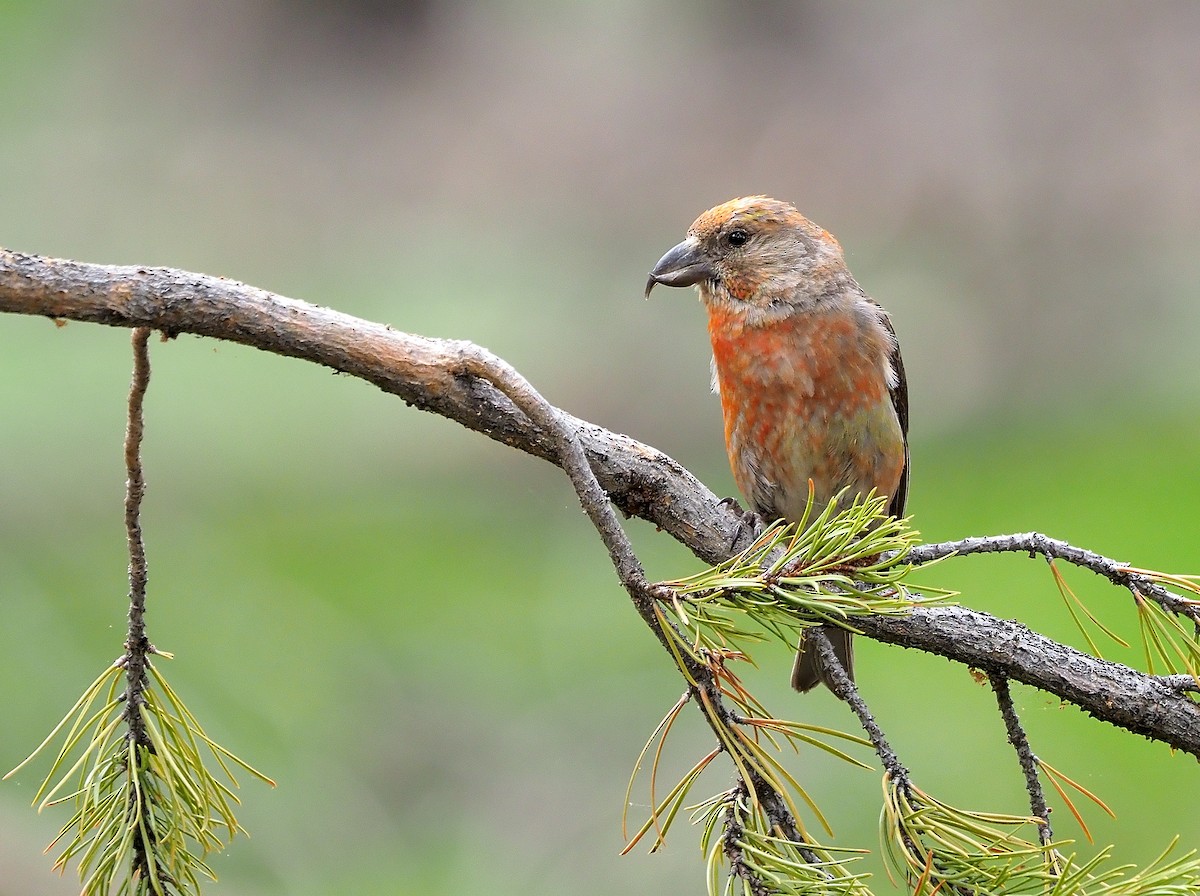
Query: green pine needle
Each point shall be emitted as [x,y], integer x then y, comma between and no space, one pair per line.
[841,565]
[161,801]
[766,862]
[937,848]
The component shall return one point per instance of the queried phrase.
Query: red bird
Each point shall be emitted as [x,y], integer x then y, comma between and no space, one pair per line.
[807,366]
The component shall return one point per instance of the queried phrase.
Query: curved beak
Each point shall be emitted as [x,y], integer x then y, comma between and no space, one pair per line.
[685,265]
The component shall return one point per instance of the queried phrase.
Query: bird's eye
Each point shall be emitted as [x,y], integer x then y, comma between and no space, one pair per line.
[737,237]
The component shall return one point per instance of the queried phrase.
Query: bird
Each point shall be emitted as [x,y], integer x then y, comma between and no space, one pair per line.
[807,367]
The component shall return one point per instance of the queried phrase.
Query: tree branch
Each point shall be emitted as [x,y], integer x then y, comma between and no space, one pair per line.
[440,376]
[426,373]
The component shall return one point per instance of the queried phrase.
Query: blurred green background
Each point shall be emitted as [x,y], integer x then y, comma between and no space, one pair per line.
[414,630]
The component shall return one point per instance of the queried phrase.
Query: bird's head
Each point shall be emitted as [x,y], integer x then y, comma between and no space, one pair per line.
[754,253]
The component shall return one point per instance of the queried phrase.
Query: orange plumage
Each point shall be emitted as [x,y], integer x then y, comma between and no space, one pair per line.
[808,369]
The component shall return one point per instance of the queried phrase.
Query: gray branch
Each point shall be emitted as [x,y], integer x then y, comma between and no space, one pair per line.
[432,374]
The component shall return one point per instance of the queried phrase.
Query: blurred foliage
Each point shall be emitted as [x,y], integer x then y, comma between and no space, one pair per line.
[415,631]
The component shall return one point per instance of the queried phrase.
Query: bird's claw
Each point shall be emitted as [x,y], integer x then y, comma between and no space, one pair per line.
[749,524]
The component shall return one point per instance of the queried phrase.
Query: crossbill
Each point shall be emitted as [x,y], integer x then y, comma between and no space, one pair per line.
[807,366]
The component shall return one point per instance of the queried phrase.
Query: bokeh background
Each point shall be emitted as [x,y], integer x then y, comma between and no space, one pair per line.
[414,630]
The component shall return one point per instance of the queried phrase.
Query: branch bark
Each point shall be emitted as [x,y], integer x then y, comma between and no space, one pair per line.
[433,375]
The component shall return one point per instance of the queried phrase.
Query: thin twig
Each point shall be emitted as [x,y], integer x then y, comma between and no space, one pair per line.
[571,458]
[629,569]
[844,689]
[137,646]
[731,844]
[1035,543]
[1025,755]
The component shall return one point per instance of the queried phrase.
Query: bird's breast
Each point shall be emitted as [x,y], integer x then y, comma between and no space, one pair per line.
[806,397]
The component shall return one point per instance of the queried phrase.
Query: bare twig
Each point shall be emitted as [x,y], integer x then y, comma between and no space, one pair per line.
[137,647]
[570,456]
[732,844]
[843,688]
[1035,543]
[1029,762]
[639,480]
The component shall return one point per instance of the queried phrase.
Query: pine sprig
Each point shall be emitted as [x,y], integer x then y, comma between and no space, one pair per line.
[938,848]
[751,736]
[943,849]
[738,836]
[147,808]
[831,569]
[1162,877]
[161,800]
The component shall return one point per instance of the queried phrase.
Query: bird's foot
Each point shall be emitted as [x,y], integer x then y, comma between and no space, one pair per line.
[748,526]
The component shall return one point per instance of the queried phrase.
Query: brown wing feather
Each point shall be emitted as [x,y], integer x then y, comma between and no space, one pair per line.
[899,394]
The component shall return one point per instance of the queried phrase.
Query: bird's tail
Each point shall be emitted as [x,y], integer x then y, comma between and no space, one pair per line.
[809,670]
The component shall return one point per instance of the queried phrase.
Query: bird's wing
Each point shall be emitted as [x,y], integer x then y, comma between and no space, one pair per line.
[899,394]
